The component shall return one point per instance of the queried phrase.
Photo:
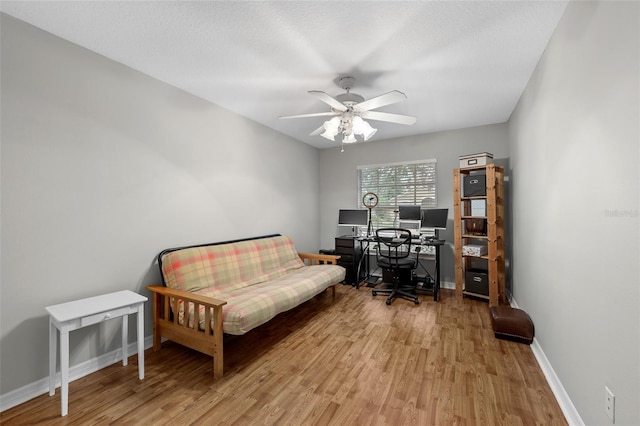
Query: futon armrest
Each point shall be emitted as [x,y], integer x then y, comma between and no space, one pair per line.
[166,322]
[314,258]
[204,300]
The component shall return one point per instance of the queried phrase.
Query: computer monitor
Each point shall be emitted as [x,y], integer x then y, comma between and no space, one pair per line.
[409,217]
[408,212]
[434,219]
[353,218]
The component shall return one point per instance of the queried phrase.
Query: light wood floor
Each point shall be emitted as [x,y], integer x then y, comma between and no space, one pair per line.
[353,362]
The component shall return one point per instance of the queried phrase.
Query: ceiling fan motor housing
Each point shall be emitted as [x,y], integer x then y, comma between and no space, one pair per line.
[347,82]
[349,99]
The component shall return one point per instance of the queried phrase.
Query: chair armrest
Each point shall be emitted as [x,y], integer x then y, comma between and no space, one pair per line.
[318,259]
[204,300]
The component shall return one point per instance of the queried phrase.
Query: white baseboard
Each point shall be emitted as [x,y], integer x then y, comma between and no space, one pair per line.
[37,388]
[566,405]
[447,285]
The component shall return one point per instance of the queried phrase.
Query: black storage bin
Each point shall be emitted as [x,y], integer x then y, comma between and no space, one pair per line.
[475,185]
[477,281]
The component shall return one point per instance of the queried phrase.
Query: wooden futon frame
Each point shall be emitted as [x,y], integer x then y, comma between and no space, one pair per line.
[208,341]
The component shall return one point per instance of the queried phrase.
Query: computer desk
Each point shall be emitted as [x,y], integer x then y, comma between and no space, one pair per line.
[364,266]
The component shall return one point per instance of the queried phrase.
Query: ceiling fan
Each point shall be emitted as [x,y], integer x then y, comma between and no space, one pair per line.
[349,111]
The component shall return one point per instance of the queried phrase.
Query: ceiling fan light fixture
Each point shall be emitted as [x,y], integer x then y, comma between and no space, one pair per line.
[329,135]
[368,136]
[331,128]
[361,127]
[350,138]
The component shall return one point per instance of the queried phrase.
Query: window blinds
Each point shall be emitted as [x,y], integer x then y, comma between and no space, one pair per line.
[395,184]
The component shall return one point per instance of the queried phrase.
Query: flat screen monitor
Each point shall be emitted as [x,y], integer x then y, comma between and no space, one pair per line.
[408,212]
[434,218]
[353,218]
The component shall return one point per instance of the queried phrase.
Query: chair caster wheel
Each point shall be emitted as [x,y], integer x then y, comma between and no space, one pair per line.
[374,293]
[417,302]
[388,302]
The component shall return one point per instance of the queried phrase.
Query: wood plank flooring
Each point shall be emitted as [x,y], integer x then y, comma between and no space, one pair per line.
[353,362]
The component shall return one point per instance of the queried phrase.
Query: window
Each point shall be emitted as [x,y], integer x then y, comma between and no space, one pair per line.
[398,183]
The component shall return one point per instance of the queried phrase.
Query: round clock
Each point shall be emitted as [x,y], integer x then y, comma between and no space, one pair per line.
[370,200]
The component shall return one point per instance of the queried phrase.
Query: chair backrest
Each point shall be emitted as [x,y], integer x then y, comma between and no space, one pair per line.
[393,243]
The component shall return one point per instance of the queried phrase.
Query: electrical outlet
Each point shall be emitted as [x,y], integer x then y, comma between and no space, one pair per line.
[610,404]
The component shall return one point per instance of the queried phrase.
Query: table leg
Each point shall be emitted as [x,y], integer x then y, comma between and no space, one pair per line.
[140,315]
[125,338]
[53,331]
[64,370]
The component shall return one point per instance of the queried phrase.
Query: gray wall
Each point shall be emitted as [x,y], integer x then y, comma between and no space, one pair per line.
[574,155]
[338,174]
[102,167]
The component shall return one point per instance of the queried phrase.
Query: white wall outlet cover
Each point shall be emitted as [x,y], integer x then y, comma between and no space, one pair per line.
[610,403]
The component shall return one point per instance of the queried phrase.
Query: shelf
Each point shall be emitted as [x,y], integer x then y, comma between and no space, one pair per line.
[466,170]
[475,257]
[479,197]
[481,296]
[492,230]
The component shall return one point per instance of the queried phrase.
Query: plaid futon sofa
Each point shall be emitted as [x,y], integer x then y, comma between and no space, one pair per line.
[233,287]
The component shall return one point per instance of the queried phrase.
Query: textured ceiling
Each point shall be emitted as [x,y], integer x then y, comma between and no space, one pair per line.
[460,63]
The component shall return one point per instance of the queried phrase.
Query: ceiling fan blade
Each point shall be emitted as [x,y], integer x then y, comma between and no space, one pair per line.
[332,102]
[315,114]
[380,101]
[385,116]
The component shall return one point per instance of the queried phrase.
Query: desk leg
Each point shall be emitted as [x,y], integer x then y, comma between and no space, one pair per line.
[64,370]
[140,315]
[53,335]
[125,338]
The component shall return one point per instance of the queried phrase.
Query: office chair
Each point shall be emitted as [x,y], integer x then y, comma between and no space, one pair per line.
[394,247]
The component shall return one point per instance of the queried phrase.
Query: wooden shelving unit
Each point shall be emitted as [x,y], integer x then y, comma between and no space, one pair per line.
[491,234]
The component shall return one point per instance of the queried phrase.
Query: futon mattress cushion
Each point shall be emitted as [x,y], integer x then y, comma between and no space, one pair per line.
[228,267]
[249,307]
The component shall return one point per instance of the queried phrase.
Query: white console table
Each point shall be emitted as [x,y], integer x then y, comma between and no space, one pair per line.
[70,316]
